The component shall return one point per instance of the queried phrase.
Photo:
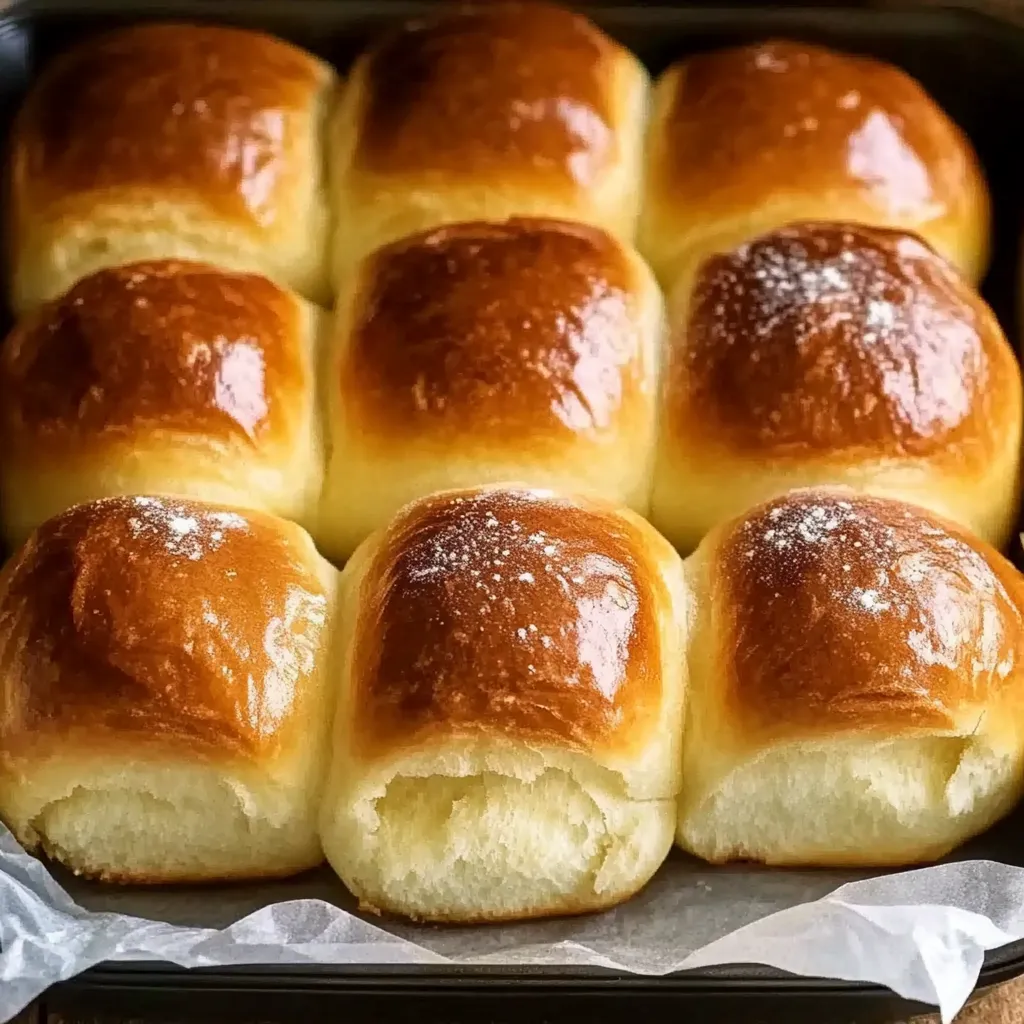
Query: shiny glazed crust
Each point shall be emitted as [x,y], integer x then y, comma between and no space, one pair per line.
[856,694]
[165,701]
[474,615]
[485,352]
[170,140]
[499,333]
[141,623]
[477,92]
[747,139]
[835,353]
[835,340]
[838,613]
[163,346]
[161,376]
[481,114]
[507,741]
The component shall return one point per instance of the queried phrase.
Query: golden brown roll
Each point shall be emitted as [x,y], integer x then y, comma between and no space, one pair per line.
[163,705]
[830,353]
[478,353]
[510,708]
[183,141]
[856,689]
[745,140]
[165,376]
[504,109]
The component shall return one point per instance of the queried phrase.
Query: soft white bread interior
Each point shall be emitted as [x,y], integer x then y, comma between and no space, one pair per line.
[830,353]
[171,141]
[477,353]
[163,377]
[751,138]
[164,704]
[856,687]
[511,683]
[483,113]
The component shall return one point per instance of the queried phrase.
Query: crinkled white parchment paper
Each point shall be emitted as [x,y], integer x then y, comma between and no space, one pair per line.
[922,933]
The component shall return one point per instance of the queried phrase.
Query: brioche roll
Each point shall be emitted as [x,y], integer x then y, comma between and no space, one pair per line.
[748,139]
[478,353]
[163,706]
[164,376]
[483,113]
[171,141]
[510,700]
[856,694]
[830,353]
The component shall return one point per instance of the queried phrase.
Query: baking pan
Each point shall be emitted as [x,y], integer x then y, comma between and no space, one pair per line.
[974,66]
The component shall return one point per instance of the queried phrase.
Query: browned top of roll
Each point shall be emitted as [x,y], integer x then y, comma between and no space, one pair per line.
[836,340]
[213,113]
[495,331]
[166,345]
[162,620]
[513,613]
[510,88]
[849,612]
[791,117]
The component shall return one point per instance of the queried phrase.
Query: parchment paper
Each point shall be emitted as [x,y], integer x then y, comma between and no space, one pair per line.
[922,933]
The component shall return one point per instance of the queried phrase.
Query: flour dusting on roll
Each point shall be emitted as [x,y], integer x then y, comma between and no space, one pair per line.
[856,687]
[834,353]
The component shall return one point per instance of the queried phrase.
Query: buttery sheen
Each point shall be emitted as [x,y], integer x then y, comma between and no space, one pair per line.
[510,613]
[159,346]
[820,340]
[853,612]
[163,618]
[488,331]
[513,88]
[217,112]
[805,118]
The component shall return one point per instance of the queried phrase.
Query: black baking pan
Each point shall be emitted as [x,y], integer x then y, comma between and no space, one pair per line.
[974,66]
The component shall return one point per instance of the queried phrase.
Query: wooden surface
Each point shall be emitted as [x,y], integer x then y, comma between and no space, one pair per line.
[1004,1006]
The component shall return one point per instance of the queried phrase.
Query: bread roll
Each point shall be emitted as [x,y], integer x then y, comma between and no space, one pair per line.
[856,693]
[835,354]
[510,707]
[163,706]
[748,139]
[164,376]
[478,353]
[183,141]
[505,109]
